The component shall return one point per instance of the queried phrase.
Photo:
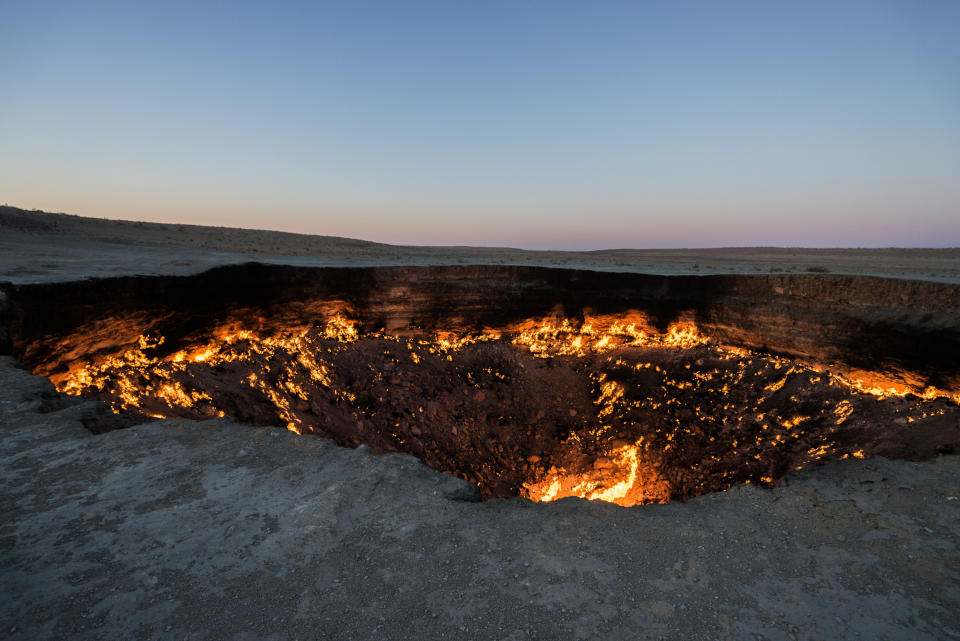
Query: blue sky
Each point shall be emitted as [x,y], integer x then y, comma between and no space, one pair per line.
[535,124]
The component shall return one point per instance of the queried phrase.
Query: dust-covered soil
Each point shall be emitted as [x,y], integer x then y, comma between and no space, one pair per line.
[179,529]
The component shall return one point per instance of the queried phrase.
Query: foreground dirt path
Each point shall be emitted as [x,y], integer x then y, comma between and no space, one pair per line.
[185,530]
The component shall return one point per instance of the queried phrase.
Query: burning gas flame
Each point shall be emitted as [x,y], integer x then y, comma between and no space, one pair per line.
[567,338]
[622,477]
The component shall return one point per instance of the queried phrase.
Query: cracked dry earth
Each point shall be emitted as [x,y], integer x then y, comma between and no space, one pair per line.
[179,529]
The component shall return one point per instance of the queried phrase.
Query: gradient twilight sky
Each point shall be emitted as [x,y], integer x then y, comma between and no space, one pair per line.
[555,124]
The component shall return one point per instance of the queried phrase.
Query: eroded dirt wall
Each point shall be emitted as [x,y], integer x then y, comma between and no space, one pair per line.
[897,332]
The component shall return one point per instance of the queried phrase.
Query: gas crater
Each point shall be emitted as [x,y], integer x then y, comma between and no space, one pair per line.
[533,382]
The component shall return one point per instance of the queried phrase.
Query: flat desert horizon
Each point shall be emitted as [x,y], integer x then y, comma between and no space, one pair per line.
[38,246]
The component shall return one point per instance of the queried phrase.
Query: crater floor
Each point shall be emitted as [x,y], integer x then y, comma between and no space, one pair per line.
[183,530]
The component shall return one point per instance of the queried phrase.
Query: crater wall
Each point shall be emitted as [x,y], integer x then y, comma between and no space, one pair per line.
[887,332]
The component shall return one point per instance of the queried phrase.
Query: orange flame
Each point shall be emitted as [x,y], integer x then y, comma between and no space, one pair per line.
[623,478]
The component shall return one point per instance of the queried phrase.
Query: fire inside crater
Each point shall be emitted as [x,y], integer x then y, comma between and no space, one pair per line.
[602,408]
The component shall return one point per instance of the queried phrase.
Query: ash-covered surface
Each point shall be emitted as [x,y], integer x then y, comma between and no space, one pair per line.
[187,530]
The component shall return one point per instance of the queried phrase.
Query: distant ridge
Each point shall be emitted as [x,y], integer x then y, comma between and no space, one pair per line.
[31,241]
[229,239]
[35,221]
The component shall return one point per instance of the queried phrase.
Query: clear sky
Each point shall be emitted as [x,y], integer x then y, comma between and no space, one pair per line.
[556,124]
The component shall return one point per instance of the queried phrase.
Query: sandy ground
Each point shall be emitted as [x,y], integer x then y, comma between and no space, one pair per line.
[41,247]
[183,530]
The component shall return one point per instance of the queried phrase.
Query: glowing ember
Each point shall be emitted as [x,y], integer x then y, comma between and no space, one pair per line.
[566,338]
[621,477]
